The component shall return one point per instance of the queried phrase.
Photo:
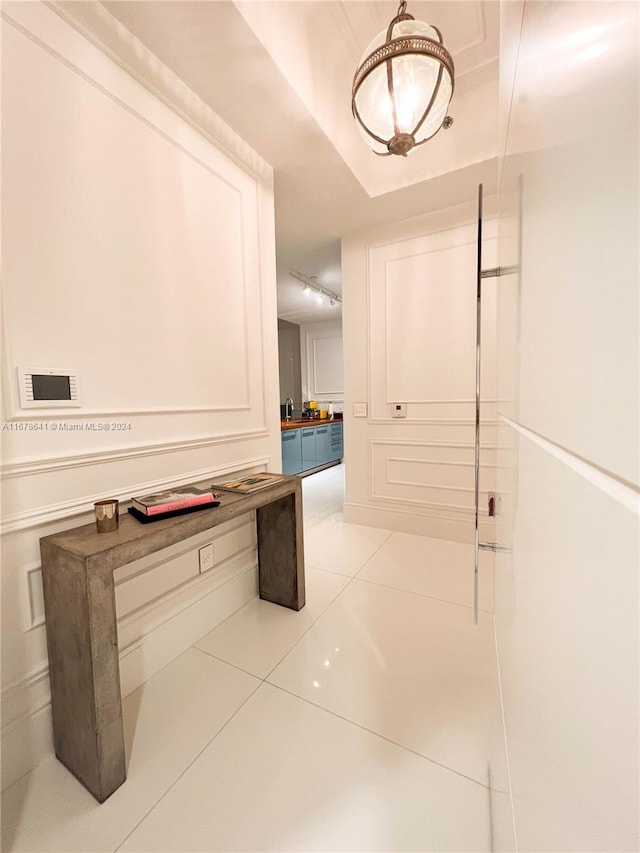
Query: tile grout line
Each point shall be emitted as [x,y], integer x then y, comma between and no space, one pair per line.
[378,735]
[422,595]
[333,600]
[226,662]
[188,767]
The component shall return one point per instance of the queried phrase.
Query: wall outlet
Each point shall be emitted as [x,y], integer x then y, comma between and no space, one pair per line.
[206,557]
[398,410]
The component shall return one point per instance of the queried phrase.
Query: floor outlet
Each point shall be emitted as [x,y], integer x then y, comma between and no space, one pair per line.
[206,557]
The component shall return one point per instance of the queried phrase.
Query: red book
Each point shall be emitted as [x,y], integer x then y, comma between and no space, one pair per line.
[174,499]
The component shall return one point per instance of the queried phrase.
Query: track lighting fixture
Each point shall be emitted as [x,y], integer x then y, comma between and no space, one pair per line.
[311,286]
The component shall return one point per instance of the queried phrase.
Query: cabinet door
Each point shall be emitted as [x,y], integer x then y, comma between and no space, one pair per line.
[323,445]
[308,448]
[337,444]
[291,451]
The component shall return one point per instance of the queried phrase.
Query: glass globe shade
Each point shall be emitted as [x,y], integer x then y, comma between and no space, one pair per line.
[403,86]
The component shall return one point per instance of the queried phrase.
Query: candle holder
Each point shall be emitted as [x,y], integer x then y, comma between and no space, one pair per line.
[107,515]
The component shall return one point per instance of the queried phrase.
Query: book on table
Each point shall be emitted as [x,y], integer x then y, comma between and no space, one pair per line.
[172,500]
[247,485]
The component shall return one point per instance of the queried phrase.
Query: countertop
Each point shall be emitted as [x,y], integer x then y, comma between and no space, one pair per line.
[296,423]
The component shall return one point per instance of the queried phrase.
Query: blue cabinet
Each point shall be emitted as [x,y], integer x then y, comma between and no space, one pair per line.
[308,448]
[323,445]
[336,450]
[291,451]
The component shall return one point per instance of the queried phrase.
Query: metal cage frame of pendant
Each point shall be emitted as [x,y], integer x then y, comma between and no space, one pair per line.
[402,143]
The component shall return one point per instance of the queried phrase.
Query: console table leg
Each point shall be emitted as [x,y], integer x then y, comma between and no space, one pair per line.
[281,551]
[83,668]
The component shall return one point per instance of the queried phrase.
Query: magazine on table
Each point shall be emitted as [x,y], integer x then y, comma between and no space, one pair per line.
[247,485]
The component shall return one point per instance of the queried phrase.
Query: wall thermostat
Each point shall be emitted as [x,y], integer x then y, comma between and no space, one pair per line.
[399,410]
[48,388]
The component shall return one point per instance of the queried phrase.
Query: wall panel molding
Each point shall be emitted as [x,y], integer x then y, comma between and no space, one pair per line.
[444,444]
[450,511]
[70,509]
[445,462]
[46,28]
[379,256]
[442,402]
[470,422]
[138,625]
[13,696]
[321,350]
[35,595]
[405,519]
[443,475]
[65,462]
[18,414]
[436,486]
[99,27]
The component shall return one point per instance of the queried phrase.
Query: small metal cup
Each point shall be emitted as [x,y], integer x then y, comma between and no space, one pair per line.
[107,515]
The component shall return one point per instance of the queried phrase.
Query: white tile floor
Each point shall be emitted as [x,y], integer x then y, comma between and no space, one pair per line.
[360,723]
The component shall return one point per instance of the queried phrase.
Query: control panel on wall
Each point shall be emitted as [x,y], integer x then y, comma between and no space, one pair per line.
[48,388]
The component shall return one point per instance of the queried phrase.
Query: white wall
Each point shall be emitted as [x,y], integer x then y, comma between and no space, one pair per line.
[409,331]
[321,351]
[566,598]
[139,254]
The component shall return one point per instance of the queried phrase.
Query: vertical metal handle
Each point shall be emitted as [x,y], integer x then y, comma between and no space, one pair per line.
[476,549]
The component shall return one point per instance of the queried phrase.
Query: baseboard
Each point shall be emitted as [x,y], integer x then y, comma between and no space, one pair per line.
[28,740]
[175,636]
[25,745]
[501,807]
[320,468]
[421,524]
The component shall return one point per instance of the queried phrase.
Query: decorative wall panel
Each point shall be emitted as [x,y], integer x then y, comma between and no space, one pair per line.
[422,324]
[322,361]
[138,250]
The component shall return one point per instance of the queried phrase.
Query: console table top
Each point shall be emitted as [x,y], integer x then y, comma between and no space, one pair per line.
[133,539]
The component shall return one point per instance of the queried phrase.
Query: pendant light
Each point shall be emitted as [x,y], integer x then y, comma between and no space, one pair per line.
[403,86]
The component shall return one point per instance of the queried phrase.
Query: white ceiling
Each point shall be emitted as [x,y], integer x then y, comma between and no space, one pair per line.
[280,74]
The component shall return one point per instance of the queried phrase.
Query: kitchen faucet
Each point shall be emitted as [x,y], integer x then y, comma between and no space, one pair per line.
[289,404]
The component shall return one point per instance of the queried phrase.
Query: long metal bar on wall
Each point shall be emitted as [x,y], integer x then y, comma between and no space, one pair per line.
[480,273]
[477,439]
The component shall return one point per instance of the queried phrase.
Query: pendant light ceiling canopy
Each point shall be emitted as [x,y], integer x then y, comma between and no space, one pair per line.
[403,86]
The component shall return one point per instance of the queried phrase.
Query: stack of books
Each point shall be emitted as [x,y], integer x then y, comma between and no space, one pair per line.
[174,502]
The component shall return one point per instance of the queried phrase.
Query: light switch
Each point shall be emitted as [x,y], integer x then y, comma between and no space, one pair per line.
[398,410]
[359,410]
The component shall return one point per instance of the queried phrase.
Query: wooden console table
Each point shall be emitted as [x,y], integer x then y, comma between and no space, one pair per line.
[82,640]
